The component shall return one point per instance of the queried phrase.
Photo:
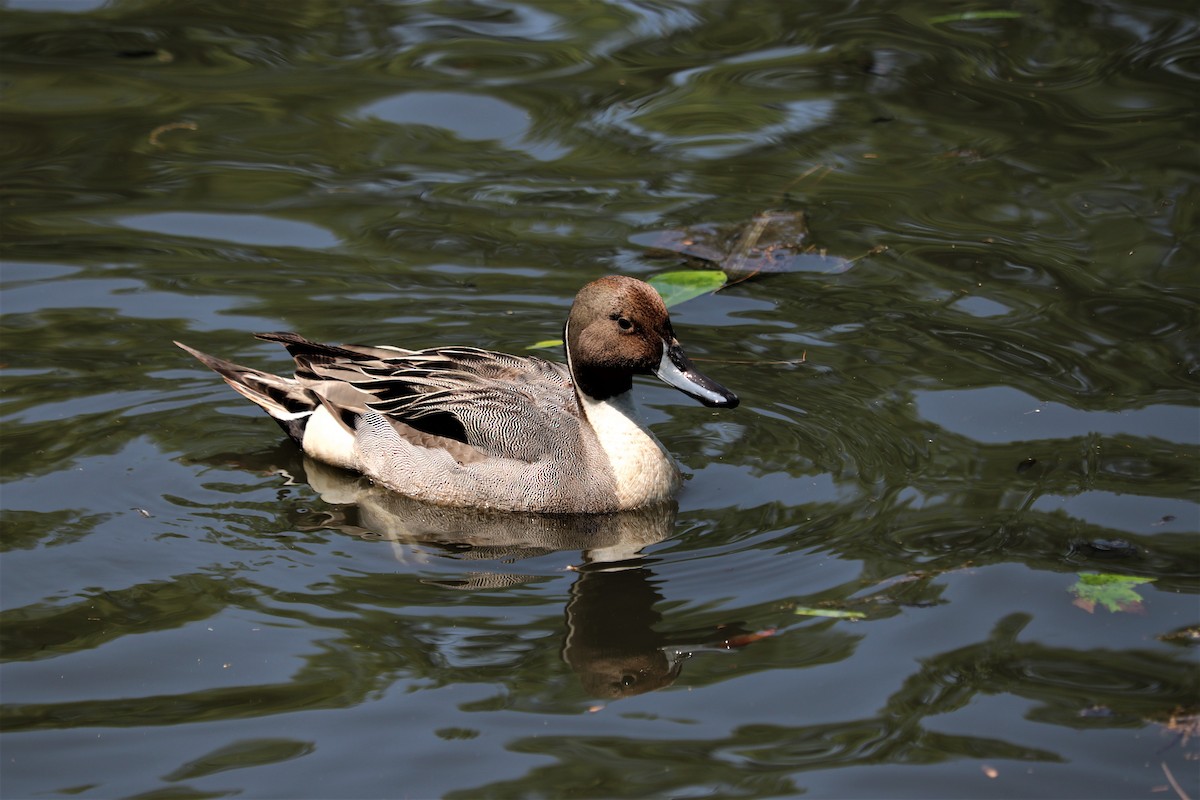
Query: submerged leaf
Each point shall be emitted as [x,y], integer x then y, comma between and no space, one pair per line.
[772,241]
[545,344]
[675,287]
[769,243]
[1114,592]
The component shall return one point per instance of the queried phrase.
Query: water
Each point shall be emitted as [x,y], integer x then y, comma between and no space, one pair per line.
[996,395]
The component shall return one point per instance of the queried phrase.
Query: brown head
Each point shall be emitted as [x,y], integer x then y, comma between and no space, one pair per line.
[618,328]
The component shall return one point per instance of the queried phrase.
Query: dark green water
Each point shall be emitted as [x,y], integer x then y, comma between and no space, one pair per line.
[998,394]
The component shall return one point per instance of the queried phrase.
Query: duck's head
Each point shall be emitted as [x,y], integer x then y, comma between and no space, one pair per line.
[619,327]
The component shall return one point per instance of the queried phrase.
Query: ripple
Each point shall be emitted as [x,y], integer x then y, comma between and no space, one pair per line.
[1016,373]
[1002,414]
[498,62]
[495,20]
[469,116]
[713,129]
[250,229]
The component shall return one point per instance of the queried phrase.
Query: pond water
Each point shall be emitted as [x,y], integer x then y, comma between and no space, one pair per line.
[983,395]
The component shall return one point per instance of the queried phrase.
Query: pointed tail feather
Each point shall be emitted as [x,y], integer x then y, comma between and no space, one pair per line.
[289,403]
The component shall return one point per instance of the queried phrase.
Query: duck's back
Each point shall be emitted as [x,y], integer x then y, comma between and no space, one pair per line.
[462,426]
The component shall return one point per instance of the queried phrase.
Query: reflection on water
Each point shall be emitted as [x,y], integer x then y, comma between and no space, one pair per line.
[611,640]
[492,535]
[994,392]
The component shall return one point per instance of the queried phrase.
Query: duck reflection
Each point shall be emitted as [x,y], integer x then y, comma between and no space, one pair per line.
[612,642]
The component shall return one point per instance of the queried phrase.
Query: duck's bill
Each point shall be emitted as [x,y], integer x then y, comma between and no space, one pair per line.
[677,370]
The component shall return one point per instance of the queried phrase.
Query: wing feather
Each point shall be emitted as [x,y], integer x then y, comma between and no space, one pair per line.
[502,405]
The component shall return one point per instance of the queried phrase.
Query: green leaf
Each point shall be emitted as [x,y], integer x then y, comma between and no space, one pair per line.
[829,612]
[545,344]
[1114,592]
[964,16]
[675,287]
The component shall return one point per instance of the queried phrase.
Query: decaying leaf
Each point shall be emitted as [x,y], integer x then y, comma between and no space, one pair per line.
[773,241]
[1189,636]
[1183,722]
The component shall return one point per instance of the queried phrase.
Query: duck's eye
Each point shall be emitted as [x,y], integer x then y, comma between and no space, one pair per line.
[623,323]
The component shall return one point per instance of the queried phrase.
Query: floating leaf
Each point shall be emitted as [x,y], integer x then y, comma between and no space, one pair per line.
[545,344]
[830,612]
[1114,592]
[966,16]
[675,287]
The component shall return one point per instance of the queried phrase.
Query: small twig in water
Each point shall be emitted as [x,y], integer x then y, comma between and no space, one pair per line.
[788,361]
[170,126]
[1174,783]
[828,169]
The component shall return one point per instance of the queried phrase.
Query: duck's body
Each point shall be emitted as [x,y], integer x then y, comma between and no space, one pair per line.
[467,427]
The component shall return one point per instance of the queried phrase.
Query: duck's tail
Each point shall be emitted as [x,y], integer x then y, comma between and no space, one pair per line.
[288,403]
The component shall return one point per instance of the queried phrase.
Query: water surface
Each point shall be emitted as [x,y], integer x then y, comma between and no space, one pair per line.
[993,397]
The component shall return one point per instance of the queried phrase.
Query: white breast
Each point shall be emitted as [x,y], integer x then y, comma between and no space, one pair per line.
[644,472]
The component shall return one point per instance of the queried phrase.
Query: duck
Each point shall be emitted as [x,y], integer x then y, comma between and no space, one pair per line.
[465,427]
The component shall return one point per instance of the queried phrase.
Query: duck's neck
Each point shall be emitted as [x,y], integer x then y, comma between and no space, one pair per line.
[596,382]
[643,471]
[602,384]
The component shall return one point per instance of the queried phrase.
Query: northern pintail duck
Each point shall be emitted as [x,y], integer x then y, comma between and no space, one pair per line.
[467,427]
